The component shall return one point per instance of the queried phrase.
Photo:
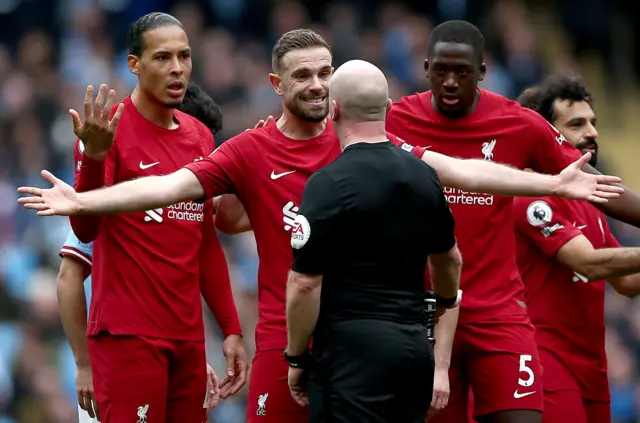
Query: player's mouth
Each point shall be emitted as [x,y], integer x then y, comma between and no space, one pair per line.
[588,146]
[176,88]
[450,100]
[315,101]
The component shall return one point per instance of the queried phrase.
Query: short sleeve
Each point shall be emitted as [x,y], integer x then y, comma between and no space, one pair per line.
[315,226]
[444,238]
[399,142]
[76,249]
[544,222]
[550,151]
[221,172]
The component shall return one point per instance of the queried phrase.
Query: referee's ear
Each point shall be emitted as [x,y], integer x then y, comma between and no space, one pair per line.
[335,110]
[389,106]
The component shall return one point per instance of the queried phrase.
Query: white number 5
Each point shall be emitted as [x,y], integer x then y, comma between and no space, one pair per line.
[524,359]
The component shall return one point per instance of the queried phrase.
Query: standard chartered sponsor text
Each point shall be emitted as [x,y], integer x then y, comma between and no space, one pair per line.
[458,196]
[186,210]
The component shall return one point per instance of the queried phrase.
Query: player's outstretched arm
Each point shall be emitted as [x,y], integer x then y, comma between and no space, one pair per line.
[483,176]
[136,195]
[605,263]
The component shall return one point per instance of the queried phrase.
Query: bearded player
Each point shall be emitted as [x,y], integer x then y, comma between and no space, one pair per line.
[150,268]
[75,268]
[267,169]
[566,252]
[494,349]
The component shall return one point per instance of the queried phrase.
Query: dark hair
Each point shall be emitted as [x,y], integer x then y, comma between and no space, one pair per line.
[201,106]
[295,40]
[555,87]
[461,32]
[135,39]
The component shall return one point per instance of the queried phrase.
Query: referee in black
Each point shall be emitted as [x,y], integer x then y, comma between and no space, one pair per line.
[368,224]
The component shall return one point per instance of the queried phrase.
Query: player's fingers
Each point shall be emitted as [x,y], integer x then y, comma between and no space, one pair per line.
[29,190]
[96,409]
[36,206]
[89,402]
[260,124]
[606,194]
[106,110]
[81,402]
[113,123]
[231,363]
[603,180]
[594,199]
[30,200]
[583,160]
[49,177]
[47,212]
[88,98]
[99,103]
[75,118]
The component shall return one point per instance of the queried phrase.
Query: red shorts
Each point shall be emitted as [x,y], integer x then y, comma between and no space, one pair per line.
[499,360]
[139,379]
[269,396]
[563,397]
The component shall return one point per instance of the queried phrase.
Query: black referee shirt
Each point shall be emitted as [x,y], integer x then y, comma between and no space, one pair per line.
[367,223]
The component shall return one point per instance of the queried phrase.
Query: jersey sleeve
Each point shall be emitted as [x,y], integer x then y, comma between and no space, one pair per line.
[76,249]
[550,152]
[399,142]
[222,171]
[316,224]
[543,222]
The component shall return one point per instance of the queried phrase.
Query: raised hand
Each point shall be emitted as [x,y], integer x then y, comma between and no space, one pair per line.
[97,131]
[578,185]
[262,122]
[59,200]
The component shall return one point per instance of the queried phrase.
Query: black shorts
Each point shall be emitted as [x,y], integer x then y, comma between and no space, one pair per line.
[371,371]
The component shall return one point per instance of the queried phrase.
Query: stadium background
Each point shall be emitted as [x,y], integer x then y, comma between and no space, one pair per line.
[51,49]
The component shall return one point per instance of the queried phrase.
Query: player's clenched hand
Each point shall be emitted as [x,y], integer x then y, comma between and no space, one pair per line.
[578,185]
[298,386]
[59,200]
[96,130]
[237,366]
[84,389]
[441,392]
[213,393]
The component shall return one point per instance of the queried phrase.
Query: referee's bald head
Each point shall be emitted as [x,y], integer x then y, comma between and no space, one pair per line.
[359,92]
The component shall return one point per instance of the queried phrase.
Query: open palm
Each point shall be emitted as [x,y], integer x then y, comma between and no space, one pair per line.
[59,200]
[576,184]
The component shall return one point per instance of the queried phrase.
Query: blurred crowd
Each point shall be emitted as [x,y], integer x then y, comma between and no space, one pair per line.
[51,49]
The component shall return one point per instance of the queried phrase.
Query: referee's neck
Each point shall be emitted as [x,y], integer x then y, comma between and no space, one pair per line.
[357,132]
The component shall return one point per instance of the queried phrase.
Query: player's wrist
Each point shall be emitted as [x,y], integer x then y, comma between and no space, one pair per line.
[555,186]
[298,361]
[97,156]
[448,302]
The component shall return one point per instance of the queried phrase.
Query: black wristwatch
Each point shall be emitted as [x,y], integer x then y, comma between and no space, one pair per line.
[446,302]
[298,361]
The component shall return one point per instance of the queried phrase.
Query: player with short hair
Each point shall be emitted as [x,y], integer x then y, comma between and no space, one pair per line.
[565,252]
[267,168]
[494,349]
[75,269]
[150,268]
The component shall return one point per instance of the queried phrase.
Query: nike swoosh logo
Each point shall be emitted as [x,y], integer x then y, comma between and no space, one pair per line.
[147,166]
[275,175]
[582,227]
[518,395]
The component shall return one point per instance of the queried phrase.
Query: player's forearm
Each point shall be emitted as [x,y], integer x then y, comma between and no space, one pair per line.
[215,286]
[445,270]
[137,195]
[303,309]
[90,176]
[444,333]
[625,208]
[491,178]
[629,286]
[608,263]
[231,217]
[73,309]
